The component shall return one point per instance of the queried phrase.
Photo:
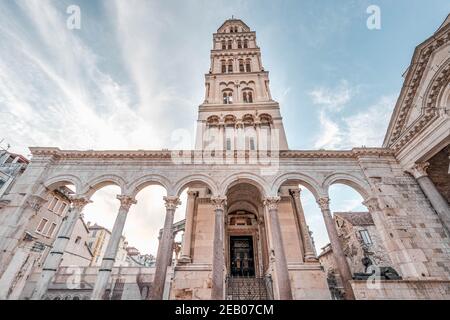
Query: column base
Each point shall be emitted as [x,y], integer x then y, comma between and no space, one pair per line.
[311,259]
[184,260]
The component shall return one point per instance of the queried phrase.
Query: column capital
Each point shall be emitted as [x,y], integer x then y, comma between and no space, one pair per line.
[78,202]
[324,203]
[295,192]
[419,170]
[192,194]
[372,204]
[126,201]
[219,202]
[172,202]
[272,202]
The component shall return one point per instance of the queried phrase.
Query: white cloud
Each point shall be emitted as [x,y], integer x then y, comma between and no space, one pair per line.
[365,128]
[330,134]
[333,99]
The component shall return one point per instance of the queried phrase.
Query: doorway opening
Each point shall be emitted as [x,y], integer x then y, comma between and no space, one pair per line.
[242,261]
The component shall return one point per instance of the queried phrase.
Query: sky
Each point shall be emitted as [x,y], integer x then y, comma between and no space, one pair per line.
[132,77]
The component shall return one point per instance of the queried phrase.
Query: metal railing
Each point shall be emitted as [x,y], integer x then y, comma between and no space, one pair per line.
[249,288]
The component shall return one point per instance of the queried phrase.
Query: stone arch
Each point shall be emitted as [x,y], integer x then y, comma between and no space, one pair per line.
[181,184]
[437,92]
[310,183]
[243,205]
[102,181]
[61,180]
[136,186]
[349,180]
[247,177]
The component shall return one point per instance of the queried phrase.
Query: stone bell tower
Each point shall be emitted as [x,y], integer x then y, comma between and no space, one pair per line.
[238,112]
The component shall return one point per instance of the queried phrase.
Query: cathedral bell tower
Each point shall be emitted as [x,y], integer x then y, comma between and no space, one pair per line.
[238,112]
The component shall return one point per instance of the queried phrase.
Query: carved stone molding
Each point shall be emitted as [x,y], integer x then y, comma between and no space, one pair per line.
[78,202]
[126,201]
[219,202]
[272,203]
[324,203]
[172,202]
[168,154]
[419,170]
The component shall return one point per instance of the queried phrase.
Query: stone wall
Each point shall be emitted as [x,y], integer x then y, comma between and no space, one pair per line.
[408,226]
[402,290]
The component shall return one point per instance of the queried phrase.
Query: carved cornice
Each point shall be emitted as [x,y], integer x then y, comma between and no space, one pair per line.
[419,170]
[324,203]
[126,201]
[172,202]
[271,203]
[219,202]
[398,136]
[198,154]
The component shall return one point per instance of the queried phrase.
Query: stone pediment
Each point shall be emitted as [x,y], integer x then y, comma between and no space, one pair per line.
[426,78]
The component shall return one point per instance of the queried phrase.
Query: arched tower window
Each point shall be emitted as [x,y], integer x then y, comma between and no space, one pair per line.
[230,44]
[247,96]
[228,97]
[239,44]
[224,66]
[245,43]
[230,66]
[224,45]
[241,65]
[248,65]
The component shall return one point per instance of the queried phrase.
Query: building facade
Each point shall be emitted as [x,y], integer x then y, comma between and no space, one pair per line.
[362,247]
[98,240]
[245,224]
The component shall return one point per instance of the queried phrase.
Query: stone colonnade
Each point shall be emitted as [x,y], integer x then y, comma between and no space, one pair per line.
[354,173]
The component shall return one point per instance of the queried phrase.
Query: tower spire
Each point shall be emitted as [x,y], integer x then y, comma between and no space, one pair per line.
[238,112]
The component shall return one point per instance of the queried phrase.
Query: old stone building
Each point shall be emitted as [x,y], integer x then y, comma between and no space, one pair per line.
[361,244]
[245,226]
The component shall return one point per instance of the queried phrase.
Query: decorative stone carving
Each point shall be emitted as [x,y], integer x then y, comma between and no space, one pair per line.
[219,202]
[126,201]
[324,203]
[78,202]
[272,203]
[419,170]
[172,202]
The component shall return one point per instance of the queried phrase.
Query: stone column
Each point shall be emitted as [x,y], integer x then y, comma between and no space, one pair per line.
[281,267]
[187,237]
[440,205]
[53,259]
[306,237]
[111,250]
[165,248]
[338,252]
[218,265]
